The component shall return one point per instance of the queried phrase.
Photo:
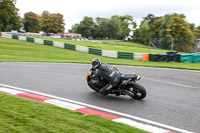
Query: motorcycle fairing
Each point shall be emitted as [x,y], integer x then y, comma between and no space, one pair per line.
[129,76]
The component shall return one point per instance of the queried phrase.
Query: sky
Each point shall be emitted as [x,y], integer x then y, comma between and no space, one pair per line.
[75,10]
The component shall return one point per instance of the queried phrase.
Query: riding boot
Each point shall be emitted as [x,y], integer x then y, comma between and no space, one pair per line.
[104,90]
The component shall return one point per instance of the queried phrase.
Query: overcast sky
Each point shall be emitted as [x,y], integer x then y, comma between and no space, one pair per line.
[75,10]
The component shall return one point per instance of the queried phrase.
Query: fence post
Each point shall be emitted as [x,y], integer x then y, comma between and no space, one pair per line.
[197,48]
[172,44]
[149,44]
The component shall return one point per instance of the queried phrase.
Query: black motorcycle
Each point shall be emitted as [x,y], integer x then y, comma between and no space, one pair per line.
[127,86]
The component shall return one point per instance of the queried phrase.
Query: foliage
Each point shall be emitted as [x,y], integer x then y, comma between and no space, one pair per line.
[31,22]
[47,22]
[86,27]
[143,33]
[178,29]
[197,32]
[57,23]
[9,19]
[124,24]
[105,28]
[117,27]
[165,30]
[52,23]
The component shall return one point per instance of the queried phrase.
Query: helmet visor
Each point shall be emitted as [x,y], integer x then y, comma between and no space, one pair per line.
[94,63]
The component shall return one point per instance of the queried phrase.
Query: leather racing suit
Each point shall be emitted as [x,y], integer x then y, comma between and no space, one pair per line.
[111,74]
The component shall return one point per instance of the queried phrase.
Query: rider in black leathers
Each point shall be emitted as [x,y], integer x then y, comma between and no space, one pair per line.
[107,72]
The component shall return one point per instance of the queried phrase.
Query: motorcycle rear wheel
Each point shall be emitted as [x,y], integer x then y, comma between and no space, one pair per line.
[137,90]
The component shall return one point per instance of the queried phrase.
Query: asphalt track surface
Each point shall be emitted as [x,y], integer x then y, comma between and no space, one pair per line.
[173,96]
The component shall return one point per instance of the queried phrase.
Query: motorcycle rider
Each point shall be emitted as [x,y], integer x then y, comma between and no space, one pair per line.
[111,74]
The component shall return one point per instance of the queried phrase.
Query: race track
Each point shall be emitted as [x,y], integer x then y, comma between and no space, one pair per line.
[173,96]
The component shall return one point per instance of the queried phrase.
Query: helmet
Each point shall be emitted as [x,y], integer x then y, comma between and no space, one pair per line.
[96,62]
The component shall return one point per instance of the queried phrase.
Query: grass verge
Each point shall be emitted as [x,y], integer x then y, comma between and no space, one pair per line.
[21,116]
[118,46]
[20,51]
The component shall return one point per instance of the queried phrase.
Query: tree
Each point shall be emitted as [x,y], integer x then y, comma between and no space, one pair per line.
[150,18]
[45,22]
[57,23]
[155,27]
[117,27]
[166,28]
[179,29]
[52,23]
[197,32]
[125,25]
[9,19]
[86,27]
[144,32]
[31,22]
[101,27]
[105,28]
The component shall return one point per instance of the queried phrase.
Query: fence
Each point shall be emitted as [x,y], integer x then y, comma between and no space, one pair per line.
[185,45]
[197,48]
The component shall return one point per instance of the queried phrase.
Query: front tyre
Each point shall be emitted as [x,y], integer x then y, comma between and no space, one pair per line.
[92,87]
[138,91]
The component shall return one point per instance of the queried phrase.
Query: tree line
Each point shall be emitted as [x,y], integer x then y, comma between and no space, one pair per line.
[162,30]
[116,27]
[159,29]
[168,29]
[47,22]
[32,22]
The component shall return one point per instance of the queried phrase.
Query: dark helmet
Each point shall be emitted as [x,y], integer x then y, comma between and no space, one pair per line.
[96,62]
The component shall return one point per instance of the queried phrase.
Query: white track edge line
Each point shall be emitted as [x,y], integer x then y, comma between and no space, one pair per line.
[102,109]
[140,125]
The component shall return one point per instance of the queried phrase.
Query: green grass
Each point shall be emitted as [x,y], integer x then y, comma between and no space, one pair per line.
[19,115]
[118,46]
[20,51]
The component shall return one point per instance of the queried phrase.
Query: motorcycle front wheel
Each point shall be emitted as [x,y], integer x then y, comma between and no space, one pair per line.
[92,87]
[137,91]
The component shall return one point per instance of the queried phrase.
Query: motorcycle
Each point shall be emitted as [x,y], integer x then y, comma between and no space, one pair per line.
[127,85]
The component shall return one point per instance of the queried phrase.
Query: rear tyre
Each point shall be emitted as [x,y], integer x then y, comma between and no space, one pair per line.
[137,90]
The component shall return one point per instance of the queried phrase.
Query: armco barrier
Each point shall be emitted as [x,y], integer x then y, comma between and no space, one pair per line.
[82,49]
[22,38]
[113,54]
[39,41]
[47,42]
[6,35]
[29,39]
[125,55]
[137,56]
[95,51]
[59,44]
[15,37]
[70,46]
